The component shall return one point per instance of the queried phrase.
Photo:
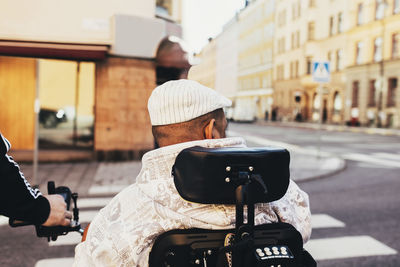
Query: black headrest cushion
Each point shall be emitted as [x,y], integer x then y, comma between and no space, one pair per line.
[205,175]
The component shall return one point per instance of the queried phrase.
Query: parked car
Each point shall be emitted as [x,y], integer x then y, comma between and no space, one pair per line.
[50,118]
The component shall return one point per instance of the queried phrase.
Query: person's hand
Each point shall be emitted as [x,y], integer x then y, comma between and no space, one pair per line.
[58,211]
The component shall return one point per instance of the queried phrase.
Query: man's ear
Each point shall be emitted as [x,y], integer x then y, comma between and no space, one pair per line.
[209,130]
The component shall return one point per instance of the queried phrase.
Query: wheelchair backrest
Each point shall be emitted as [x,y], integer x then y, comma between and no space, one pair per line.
[211,175]
[240,176]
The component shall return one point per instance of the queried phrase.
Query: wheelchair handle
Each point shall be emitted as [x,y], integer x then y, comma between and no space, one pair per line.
[53,232]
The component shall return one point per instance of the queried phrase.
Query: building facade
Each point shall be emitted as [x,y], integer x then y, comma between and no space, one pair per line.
[360,40]
[372,93]
[106,45]
[255,61]
[308,31]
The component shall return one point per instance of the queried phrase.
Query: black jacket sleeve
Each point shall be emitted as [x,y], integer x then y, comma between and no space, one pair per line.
[18,200]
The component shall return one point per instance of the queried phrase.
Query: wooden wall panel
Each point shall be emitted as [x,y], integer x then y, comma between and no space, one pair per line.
[123,86]
[17,94]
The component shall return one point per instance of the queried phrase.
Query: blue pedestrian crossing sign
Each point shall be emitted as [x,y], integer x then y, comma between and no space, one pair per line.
[321,72]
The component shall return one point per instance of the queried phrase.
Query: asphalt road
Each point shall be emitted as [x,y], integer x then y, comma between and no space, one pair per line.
[364,197]
[357,209]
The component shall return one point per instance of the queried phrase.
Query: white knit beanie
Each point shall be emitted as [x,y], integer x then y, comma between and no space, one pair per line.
[183,100]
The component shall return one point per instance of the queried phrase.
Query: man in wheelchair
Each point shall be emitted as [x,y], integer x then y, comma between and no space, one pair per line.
[184,114]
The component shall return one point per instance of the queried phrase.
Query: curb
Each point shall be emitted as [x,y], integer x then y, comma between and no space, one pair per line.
[332,127]
[342,167]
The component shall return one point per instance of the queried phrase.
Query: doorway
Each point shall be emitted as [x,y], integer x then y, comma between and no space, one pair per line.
[66,94]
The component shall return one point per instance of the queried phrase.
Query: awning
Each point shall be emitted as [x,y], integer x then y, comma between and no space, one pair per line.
[82,52]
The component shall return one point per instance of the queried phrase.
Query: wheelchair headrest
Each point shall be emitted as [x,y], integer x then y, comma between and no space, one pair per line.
[211,175]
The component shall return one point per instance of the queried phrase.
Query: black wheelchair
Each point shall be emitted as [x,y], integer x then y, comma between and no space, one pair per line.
[232,176]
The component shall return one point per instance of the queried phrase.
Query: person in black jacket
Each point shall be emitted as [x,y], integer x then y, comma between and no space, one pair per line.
[18,200]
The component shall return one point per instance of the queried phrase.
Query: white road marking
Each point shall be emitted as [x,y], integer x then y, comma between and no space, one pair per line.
[292,148]
[3,220]
[106,189]
[325,221]
[87,216]
[65,240]
[93,202]
[388,156]
[371,159]
[59,262]
[347,247]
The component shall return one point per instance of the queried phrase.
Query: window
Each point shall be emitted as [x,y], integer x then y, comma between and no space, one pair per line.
[331,20]
[337,103]
[299,8]
[311,31]
[372,93]
[340,22]
[291,73]
[396,6]
[296,69]
[298,39]
[354,99]
[330,58]
[296,10]
[378,49]
[280,72]
[391,98]
[359,50]
[360,14]
[309,64]
[395,45]
[282,18]
[281,45]
[311,3]
[293,42]
[339,59]
[379,9]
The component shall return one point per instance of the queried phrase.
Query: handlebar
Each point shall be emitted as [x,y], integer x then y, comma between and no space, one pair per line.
[54,231]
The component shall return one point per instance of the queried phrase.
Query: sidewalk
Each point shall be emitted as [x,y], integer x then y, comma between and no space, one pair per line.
[332,127]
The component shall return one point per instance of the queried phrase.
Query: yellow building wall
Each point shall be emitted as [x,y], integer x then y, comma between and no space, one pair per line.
[17,96]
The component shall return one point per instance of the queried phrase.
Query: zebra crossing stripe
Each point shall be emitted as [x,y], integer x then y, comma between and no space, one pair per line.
[3,220]
[346,247]
[93,202]
[66,240]
[371,159]
[106,189]
[87,216]
[389,156]
[59,262]
[325,221]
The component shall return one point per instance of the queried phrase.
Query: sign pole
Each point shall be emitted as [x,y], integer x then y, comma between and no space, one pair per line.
[36,132]
[320,74]
[320,88]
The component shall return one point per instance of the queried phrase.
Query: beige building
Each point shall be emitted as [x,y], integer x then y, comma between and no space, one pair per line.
[255,57]
[100,49]
[359,40]
[373,49]
[227,59]
[308,31]
[205,71]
